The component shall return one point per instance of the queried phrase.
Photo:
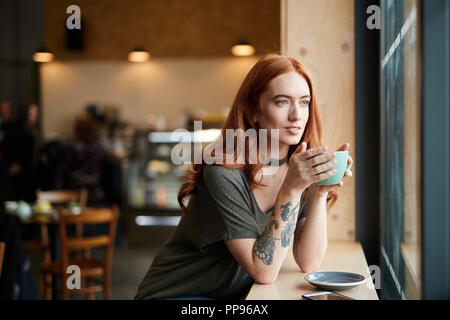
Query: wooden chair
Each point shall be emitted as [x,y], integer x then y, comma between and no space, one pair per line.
[90,269]
[63,197]
[2,255]
[58,198]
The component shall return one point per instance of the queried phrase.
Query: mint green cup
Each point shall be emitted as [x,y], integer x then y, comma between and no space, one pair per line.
[341,166]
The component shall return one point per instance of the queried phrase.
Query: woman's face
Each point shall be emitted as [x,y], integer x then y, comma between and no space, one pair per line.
[285,106]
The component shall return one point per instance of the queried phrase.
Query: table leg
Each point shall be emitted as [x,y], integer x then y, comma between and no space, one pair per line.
[55,255]
[45,280]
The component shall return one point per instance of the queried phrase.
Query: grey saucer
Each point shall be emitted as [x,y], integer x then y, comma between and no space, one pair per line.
[334,280]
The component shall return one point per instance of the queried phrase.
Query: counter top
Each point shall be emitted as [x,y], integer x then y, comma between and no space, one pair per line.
[340,256]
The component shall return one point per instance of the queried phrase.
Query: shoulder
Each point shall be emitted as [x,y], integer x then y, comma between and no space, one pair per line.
[221,179]
[227,189]
[218,170]
[213,173]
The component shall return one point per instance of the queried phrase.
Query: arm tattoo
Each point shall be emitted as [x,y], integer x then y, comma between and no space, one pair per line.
[285,210]
[265,245]
[289,229]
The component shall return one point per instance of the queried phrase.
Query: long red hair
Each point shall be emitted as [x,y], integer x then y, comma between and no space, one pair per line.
[244,106]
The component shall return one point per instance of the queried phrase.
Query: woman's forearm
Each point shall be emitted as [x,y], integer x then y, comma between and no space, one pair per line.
[271,247]
[310,245]
[306,166]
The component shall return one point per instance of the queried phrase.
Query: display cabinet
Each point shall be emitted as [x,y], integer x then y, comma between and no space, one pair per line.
[153,180]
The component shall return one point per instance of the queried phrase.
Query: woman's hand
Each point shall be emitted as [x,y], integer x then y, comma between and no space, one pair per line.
[318,190]
[305,167]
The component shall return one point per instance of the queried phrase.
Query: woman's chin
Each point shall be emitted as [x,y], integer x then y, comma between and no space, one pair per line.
[293,140]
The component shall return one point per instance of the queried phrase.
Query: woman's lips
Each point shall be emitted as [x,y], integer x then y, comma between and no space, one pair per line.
[293,130]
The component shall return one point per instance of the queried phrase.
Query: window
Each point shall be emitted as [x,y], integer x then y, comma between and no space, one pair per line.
[400,144]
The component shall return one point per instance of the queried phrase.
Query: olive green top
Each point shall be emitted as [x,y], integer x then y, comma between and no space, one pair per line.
[195,261]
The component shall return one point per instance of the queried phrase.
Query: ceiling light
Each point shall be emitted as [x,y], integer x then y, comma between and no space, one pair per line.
[243,49]
[42,55]
[138,55]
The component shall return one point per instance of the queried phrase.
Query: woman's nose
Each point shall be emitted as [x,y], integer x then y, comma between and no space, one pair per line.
[295,112]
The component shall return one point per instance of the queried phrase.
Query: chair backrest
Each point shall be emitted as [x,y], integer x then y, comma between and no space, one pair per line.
[2,254]
[59,197]
[87,216]
[63,197]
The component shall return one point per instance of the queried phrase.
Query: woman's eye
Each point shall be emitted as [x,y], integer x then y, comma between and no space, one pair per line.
[282,102]
[306,103]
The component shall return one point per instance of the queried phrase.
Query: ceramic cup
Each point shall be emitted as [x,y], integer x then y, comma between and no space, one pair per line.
[23,210]
[341,166]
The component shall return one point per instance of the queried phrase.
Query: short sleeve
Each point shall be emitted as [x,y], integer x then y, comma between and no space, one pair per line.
[230,214]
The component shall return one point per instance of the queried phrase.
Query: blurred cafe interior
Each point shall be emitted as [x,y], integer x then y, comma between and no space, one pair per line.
[86,116]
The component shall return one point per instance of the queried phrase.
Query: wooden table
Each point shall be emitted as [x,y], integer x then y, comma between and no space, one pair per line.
[340,256]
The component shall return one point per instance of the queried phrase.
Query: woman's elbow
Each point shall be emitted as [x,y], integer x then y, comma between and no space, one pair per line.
[308,263]
[309,269]
[265,277]
[307,266]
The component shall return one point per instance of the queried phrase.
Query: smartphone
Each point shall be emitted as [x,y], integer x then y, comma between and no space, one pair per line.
[325,295]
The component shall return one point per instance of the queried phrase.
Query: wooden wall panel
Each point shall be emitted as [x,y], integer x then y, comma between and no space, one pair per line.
[169,28]
[321,35]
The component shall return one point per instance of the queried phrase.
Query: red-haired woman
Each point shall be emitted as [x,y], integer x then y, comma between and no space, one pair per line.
[239,222]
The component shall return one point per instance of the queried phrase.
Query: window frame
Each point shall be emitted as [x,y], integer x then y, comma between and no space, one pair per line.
[436,149]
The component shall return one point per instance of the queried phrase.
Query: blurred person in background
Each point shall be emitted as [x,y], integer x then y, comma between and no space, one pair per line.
[31,136]
[89,164]
[32,127]
[50,174]
[5,116]
[5,112]
[85,159]
[17,147]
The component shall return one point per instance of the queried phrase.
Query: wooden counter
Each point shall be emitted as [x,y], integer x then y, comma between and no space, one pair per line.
[340,256]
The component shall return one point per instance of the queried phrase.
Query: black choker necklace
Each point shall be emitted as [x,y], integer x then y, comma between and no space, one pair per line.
[277,162]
